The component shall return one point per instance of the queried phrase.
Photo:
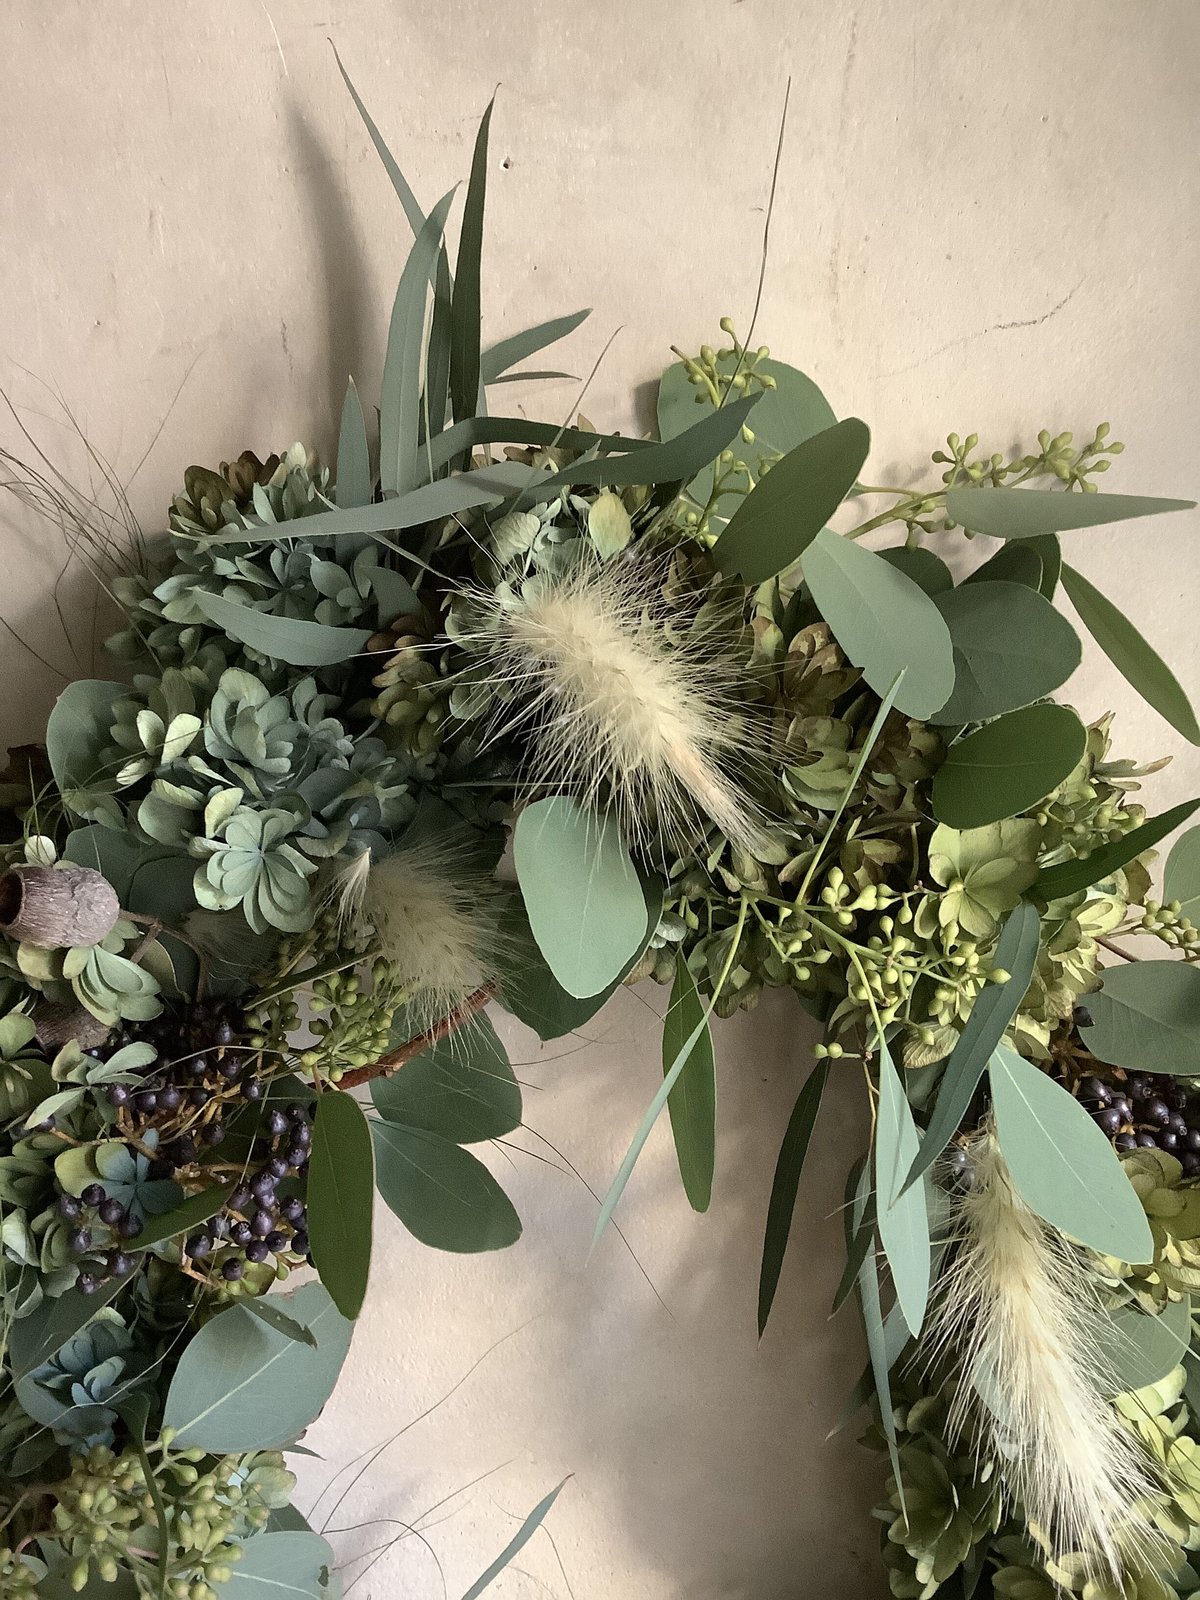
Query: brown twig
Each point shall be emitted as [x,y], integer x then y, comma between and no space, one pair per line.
[1115,948]
[395,1059]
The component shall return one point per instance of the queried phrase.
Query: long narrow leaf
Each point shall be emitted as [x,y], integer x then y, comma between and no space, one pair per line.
[788,1169]
[1137,661]
[903,1217]
[464,320]
[632,461]
[1016,954]
[416,217]
[430,503]
[400,392]
[877,1345]
[507,353]
[354,487]
[437,356]
[1070,877]
[692,1104]
[521,1538]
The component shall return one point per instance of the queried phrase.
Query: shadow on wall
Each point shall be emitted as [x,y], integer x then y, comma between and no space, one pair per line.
[705,1448]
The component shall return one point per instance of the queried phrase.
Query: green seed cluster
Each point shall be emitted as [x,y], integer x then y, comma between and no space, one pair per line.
[18,1580]
[213,1505]
[1168,923]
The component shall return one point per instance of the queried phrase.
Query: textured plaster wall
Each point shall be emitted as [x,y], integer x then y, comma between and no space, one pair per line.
[986,219]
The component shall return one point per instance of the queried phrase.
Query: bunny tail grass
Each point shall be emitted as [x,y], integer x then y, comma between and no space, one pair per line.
[436,924]
[1018,1313]
[620,700]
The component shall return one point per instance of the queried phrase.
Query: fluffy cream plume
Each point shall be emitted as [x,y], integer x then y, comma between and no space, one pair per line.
[1017,1311]
[619,699]
[435,919]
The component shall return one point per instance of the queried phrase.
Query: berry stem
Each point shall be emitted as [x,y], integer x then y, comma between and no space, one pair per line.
[395,1059]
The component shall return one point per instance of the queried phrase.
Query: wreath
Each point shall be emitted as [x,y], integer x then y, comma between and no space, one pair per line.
[516,712]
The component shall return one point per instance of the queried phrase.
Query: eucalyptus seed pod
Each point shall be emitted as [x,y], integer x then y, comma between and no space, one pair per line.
[55,908]
[57,1025]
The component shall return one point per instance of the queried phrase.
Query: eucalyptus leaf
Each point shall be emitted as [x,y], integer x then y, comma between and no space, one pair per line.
[519,1540]
[631,461]
[786,510]
[1181,875]
[35,1338]
[1133,658]
[1011,647]
[290,639]
[241,1385]
[193,1211]
[1072,877]
[1062,1163]
[442,1194]
[902,1216]
[1007,765]
[464,314]
[1146,1018]
[1018,562]
[280,1566]
[692,1103]
[996,1006]
[508,353]
[787,414]
[461,1088]
[872,1313]
[929,572]
[1025,513]
[530,990]
[400,391]
[341,1187]
[786,1186]
[883,622]
[581,891]
[267,1309]
[77,733]
[1137,1348]
[354,484]
[412,210]
[432,502]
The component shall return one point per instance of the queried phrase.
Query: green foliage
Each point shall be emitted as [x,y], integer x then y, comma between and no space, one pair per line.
[341,1183]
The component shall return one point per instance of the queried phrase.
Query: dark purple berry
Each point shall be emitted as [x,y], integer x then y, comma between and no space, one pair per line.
[276,1241]
[214,1133]
[296,1112]
[293,1208]
[300,1239]
[1168,1141]
[276,1123]
[160,1167]
[79,1241]
[110,1212]
[257,1251]
[119,1263]
[1146,1141]
[129,1227]
[232,1270]
[240,1233]
[146,1101]
[170,1098]
[184,1150]
[301,1136]
[224,1034]
[1158,1111]
[239,1199]
[218,1226]
[92,1195]
[262,1186]
[253,1090]
[232,1068]
[1125,1141]
[118,1095]
[88,1282]
[261,1224]
[198,1245]
[199,1097]
[69,1206]
[1110,1121]
[1193,1139]
[1081,1017]
[1190,1161]
[278,1167]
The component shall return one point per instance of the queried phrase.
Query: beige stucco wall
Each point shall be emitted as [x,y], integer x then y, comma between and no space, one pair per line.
[986,219]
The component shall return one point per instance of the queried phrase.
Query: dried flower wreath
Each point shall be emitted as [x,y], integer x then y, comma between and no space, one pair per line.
[729,748]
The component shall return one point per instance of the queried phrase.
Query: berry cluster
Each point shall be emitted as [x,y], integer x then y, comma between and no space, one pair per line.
[259,1221]
[1147,1111]
[105,1212]
[201,1073]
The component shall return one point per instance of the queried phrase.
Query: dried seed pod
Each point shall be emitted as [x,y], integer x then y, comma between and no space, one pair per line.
[57,1025]
[54,908]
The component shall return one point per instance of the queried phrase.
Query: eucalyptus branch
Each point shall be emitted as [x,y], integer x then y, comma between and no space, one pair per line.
[395,1059]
